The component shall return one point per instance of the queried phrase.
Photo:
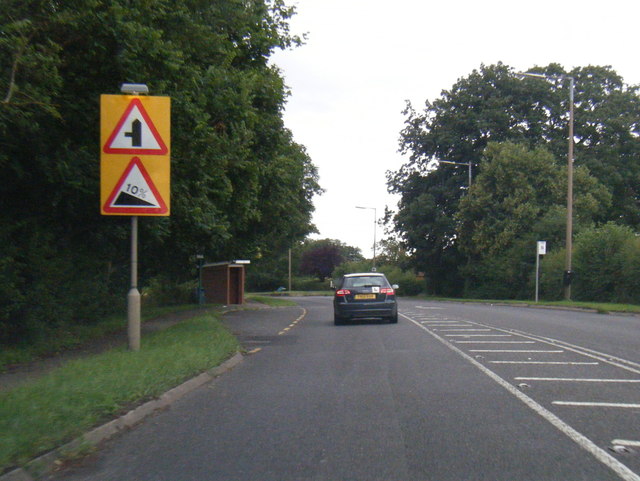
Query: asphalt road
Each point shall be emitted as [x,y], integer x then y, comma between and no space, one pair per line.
[452,392]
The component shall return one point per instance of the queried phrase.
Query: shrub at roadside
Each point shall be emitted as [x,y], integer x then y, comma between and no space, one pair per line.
[409,284]
[606,263]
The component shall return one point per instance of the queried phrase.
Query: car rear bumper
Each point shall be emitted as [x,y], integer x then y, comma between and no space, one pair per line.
[364,310]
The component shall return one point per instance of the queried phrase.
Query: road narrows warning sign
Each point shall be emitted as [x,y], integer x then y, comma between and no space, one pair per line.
[135,193]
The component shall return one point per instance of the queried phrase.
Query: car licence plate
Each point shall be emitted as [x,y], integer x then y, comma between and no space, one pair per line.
[364,296]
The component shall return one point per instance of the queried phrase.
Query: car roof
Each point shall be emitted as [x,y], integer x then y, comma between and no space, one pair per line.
[362,274]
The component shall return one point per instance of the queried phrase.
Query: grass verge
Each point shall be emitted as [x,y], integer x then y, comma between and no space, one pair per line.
[272,301]
[296,293]
[69,337]
[60,406]
[601,307]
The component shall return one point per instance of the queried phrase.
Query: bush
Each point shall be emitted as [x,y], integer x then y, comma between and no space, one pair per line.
[409,284]
[551,272]
[309,284]
[600,256]
[262,281]
[162,292]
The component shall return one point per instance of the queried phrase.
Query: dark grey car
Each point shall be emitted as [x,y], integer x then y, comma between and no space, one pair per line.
[365,295]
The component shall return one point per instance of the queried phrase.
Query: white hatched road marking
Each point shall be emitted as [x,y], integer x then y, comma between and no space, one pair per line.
[464,330]
[494,342]
[626,442]
[559,363]
[526,351]
[478,335]
[571,379]
[606,358]
[585,443]
[596,404]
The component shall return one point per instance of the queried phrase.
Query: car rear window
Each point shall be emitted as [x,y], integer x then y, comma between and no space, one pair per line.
[363,281]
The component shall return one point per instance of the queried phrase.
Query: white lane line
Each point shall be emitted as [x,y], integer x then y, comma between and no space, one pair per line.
[597,404]
[447,325]
[626,442]
[463,330]
[494,342]
[429,307]
[478,335]
[572,379]
[558,363]
[526,351]
[442,321]
[581,440]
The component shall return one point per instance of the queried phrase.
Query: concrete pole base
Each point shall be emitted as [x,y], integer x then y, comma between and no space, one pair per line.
[133,317]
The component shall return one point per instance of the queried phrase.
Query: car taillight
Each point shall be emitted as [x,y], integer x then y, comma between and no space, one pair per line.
[343,292]
[387,290]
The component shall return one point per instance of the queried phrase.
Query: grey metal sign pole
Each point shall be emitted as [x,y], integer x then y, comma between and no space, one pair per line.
[133,298]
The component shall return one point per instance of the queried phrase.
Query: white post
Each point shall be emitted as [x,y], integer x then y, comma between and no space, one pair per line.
[537,273]
[541,249]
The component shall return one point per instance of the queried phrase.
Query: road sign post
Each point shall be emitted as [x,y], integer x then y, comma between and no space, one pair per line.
[541,249]
[134,171]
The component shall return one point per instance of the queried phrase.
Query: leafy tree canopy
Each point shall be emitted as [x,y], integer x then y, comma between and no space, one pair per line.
[493,104]
[240,184]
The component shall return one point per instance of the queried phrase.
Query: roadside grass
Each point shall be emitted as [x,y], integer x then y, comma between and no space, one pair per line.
[42,414]
[600,307]
[294,293]
[69,337]
[272,301]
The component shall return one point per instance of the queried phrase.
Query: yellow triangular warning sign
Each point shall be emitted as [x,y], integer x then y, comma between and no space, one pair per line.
[135,193]
[135,133]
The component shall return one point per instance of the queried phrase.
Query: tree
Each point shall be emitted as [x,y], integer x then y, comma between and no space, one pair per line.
[240,184]
[494,105]
[518,198]
[320,257]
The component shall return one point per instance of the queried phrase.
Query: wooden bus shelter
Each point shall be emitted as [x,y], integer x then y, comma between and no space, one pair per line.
[223,282]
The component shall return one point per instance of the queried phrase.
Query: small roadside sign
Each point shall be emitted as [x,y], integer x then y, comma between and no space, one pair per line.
[542,248]
[135,147]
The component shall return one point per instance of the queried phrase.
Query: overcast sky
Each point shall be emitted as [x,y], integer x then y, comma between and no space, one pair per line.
[364,58]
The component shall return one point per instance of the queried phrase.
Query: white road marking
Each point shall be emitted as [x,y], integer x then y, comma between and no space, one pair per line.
[527,351]
[596,404]
[571,379]
[559,363]
[478,335]
[606,358]
[494,342]
[464,330]
[585,443]
[626,442]
[429,307]
[447,325]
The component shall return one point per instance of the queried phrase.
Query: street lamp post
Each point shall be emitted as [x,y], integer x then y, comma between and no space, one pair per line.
[568,273]
[468,164]
[375,222]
